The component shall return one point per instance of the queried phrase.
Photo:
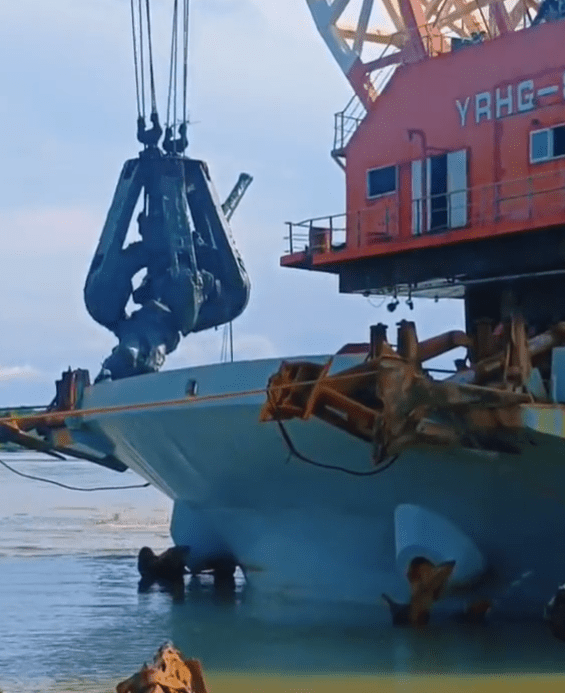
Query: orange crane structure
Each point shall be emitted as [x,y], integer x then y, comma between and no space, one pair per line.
[453,148]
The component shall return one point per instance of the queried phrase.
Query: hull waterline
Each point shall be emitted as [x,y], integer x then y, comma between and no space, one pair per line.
[305,532]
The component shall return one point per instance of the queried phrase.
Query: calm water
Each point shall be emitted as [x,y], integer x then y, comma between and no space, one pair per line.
[70,610]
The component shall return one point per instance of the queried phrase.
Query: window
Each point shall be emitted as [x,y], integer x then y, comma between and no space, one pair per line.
[381,181]
[439,192]
[547,144]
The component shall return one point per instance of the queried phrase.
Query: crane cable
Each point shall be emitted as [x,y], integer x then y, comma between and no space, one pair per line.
[135,59]
[150,51]
[172,66]
[185,58]
[141,58]
[180,25]
[140,17]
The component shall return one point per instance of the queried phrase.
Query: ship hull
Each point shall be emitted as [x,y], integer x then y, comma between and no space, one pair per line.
[303,531]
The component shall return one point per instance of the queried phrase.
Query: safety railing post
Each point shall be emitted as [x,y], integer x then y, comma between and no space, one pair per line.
[289,224]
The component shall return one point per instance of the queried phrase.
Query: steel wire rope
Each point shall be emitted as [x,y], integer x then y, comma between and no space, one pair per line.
[172,60]
[135,58]
[150,56]
[141,58]
[224,349]
[175,86]
[68,486]
[186,19]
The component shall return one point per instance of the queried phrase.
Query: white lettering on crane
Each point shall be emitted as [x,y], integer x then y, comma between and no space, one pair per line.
[462,108]
[525,98]
[508,100]
[504,102]
[482,106]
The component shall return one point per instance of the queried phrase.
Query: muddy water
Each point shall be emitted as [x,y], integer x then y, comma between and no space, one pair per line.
[71,618]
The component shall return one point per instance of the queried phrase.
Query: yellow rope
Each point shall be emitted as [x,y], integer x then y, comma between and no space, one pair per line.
[75,413]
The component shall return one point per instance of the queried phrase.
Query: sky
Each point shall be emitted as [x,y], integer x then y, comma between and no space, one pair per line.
[263,92]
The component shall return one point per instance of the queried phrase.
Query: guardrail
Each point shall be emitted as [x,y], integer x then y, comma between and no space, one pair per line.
[529,200]
[333,233]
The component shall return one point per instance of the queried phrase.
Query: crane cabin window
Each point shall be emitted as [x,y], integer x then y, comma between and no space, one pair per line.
[440,195]
[381,181]
[547,144]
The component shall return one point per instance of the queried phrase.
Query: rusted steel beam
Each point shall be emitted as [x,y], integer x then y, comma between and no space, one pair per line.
[435,346]
[390,401]
[170,671]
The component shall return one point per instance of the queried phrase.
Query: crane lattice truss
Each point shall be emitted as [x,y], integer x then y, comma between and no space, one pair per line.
[367,37]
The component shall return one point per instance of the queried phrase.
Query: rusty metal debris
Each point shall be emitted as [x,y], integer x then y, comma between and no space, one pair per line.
[45,430]
[427,584]
[170,672]
[167,569]
[392,402]
[169,565]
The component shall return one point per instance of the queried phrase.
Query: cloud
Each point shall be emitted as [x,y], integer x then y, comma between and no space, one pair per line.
[9,373]
[49,230]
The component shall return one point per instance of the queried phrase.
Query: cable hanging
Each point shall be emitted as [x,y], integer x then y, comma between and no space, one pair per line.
[135,58]
[177,93]
[176,140]
[172,63]
[185,60]
[141,58]
[67,486]
[293,452]
[150,52]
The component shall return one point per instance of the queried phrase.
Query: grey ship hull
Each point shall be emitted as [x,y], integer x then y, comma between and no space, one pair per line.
[301,531]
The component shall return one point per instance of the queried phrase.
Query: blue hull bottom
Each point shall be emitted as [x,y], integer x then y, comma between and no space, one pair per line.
[302,532]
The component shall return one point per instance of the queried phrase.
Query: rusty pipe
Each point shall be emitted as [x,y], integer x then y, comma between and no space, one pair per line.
[435,346]
[547,340]
[536,345]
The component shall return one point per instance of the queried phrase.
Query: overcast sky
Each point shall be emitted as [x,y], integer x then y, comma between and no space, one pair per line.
[263,92]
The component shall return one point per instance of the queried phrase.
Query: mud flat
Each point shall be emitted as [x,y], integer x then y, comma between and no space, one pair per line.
[241,683]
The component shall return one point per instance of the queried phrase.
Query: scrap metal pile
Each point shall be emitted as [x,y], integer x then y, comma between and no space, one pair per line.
[169,672]
[392,402]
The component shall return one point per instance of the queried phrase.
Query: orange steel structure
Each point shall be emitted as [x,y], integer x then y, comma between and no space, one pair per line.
[455,177]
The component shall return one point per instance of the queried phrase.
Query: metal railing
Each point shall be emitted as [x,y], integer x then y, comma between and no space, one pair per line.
[338,231]
[531,201]
[347,121]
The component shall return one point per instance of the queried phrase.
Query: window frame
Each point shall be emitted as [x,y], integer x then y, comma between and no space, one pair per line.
[383,194]
[550,144]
